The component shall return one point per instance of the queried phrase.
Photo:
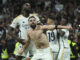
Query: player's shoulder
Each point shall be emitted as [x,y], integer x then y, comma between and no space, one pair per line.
[29,31]
[18,17]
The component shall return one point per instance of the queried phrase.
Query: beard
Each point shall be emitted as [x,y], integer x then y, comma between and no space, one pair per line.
[33,26]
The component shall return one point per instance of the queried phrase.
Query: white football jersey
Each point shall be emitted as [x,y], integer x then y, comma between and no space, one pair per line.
[53,41]
[56,43]
[64,39]
[23,25]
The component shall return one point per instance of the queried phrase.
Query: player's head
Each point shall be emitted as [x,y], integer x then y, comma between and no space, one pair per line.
[27,6]
[32,22]
[63,21]
[26,9]
[51,20]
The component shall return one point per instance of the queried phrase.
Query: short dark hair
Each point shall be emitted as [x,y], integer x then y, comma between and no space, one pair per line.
[25,6]
[52,17]
[25,9]
[31,17]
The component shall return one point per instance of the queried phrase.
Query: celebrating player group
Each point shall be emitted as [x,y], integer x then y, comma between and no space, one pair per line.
[38,41]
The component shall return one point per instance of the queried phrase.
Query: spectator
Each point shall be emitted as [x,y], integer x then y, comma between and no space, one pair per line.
[59,8]
[2,31]
[4,50]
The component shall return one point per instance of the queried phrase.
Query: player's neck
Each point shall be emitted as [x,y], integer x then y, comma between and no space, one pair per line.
[36,28]
[25,15]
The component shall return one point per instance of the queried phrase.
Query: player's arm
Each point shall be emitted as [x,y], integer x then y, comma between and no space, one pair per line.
[27,42]
[54,27]
[64,33]
[12,28]
[12,33]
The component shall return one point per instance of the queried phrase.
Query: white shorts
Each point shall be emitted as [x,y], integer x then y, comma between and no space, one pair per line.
[43,54]
[32,48]
[64,54]
[55,50]
[55,55]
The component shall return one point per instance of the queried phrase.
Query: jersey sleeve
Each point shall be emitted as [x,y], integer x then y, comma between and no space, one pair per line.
[14,23]
[66,32]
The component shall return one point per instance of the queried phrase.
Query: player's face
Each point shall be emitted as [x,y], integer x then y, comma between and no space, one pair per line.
[32,22]
[50,21]
[28,5]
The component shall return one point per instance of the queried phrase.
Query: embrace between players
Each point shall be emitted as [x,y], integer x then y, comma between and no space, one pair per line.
[36,33]
[32,30]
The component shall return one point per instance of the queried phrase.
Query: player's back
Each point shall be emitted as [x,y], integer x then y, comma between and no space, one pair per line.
[53,41]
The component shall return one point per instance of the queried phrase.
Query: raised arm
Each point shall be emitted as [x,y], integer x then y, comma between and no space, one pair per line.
[55,27]
[64,27]
[27,42]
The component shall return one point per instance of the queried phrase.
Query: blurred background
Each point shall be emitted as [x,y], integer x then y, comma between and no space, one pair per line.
[9,9]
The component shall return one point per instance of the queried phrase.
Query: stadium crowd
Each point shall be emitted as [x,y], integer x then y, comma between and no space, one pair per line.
[70,9]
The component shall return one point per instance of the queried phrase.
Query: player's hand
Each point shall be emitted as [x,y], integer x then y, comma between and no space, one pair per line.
[21,51]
